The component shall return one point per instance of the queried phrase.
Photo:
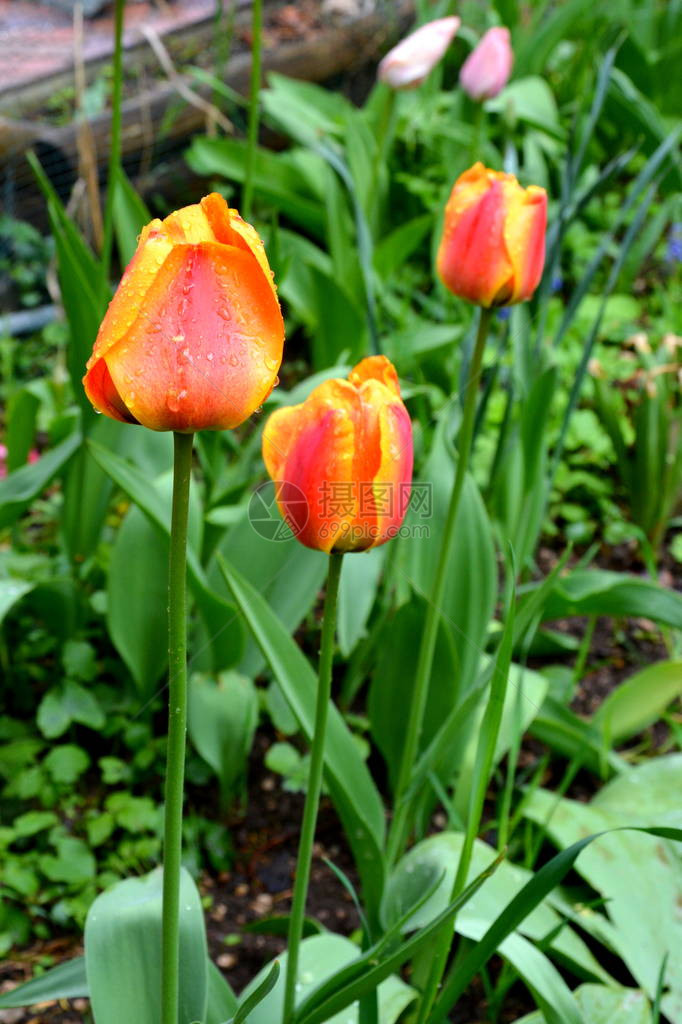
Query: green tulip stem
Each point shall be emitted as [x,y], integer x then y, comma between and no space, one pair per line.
[254,106]
[400,825]
[177,727]
[312,800]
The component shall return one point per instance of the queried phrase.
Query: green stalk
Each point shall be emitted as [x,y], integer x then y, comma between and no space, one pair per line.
[177,727]
[400,825]
[312,800]
[114,147]
[254,105]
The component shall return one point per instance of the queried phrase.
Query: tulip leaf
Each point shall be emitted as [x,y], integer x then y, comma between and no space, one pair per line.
[353,792]
[23,486]
[69,981]
[277,177]
[11,592]
[220,618]
[602,1004]
[287,574]
[65,981]
[222,1002]
[357,592]
[122,942]
[639,876]
[223,715]
[321,959]
[393,682]
[130,215]
[80,283]
[602,592]
[469,598]
[20,427]
[639,701]
[518,908]
[137,617]
[257,994]
[436,859]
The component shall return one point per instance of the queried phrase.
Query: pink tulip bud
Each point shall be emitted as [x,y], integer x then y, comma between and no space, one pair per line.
[486,70]
[407,64]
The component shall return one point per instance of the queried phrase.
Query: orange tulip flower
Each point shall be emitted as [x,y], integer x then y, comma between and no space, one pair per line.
[342,460]
[193,337]
[493,246]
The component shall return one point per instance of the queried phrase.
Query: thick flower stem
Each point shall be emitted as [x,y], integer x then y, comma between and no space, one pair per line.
[400,825]
[177,725]
[312,799]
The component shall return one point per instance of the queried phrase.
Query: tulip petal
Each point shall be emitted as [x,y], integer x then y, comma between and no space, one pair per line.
[472,259]
[229,227]
[486,70]
[310,447]
[382,462]
[376,368]
[524,236]
[152,249]
[101,391]
[408,63]
[392,483]
[204,350]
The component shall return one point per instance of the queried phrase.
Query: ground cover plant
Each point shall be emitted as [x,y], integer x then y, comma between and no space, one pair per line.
[406,432]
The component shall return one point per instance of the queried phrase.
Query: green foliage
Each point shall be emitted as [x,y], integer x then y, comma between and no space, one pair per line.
[576,441]
[122,936]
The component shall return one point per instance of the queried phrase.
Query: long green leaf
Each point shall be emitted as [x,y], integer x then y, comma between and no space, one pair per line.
[546,879]
[639,701]
[367,972]
[257,997]
[65,981]
[23,486]
[222,1002]
[122,940]
[602,592]
[220,618]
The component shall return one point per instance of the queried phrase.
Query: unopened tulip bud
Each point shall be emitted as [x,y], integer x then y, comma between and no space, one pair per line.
[486,70]
[407,64]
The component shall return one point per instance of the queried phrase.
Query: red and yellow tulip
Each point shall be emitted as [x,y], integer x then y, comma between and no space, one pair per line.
[342,460]
[193,337]
[493,247]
